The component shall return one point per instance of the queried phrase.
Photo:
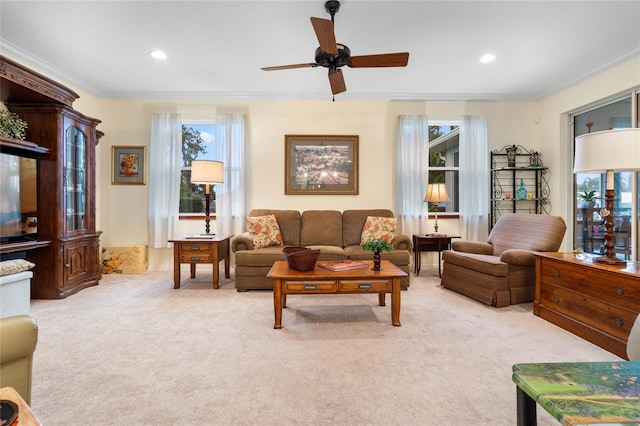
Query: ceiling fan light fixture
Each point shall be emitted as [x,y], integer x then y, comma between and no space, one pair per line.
[158,54]
[489,57]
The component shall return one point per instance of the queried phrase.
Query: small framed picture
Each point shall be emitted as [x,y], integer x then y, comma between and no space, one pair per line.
[128,165]
[321,165]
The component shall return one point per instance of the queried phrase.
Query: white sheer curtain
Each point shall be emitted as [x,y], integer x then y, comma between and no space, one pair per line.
[165,153]
[474,178]
[412,173]
[229,148]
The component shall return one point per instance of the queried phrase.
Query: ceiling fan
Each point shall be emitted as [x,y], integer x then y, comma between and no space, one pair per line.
[333,55]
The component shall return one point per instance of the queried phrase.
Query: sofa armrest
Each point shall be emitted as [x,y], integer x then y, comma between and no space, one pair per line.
[475,247]
[242,242]
[518,257]
[402,242]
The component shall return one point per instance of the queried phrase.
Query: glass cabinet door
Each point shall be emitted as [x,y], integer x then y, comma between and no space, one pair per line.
[75,178]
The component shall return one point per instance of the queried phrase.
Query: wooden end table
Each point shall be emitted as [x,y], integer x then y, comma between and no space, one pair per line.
[433,243]
[323,281]
[25,415]
[201,250]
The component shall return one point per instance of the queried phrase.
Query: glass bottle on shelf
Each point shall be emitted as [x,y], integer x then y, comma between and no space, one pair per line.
[521,193]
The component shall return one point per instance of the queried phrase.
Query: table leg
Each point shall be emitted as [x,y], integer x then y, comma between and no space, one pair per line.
[176,266]
[439,263]
[417,260]
[277,303]
[226,265]
[216,265]
[381,301]
[526,409]
[193,270]
[395,302]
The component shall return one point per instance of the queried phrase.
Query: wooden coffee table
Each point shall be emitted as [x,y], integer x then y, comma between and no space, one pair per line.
[323,281]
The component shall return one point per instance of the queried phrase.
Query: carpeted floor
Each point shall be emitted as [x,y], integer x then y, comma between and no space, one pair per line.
[135,351]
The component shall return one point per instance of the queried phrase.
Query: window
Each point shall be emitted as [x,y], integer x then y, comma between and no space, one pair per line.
[197,144]
[589,224]
[444,154]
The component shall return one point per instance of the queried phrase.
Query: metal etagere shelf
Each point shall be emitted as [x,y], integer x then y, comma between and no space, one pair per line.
[518,182]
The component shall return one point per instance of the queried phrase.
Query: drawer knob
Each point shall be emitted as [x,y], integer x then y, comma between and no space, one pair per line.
[364,286]
[310,287]
[556,273]
[556,299]
[195,257]
[194,248]
[619,291]
[619,322]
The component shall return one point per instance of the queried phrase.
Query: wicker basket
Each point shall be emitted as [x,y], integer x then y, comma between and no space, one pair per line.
[301,258]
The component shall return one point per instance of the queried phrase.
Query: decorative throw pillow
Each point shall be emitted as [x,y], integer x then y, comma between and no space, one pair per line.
[264,231]
[379,228]
[8,267]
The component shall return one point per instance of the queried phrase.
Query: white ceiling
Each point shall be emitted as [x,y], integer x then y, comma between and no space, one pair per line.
[216,48]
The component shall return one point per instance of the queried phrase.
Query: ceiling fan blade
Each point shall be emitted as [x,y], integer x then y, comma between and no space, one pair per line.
[383,60]
[326,36]
[288,67]
[336,80]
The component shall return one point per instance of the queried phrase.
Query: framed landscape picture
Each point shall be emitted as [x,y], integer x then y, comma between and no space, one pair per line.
[128,165]
[321,164]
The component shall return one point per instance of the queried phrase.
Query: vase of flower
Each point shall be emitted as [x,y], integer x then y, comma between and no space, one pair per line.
[377,246]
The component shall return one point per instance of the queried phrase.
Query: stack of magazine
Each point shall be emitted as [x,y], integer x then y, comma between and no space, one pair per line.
[342,265]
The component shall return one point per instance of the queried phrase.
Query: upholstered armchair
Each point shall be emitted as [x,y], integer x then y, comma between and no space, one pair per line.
[501,271]
[18,339]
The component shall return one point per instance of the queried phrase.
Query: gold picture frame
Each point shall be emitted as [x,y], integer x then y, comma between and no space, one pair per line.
[321,164]
[128,165]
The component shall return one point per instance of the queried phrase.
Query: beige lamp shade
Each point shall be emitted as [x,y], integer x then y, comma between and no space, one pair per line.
[436,193]
[617,150]
[207,171]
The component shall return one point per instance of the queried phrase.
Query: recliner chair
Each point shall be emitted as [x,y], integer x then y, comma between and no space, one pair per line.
[501,271]
[18,339]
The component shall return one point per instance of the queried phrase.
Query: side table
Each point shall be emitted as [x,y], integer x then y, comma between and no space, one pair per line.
[433,243]
[201,250]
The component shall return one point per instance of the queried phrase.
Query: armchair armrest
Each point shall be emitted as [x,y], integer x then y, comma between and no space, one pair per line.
[242,242]
[402,242]
[475,247]
[518,257]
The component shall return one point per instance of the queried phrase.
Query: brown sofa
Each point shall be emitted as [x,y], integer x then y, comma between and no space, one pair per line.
[336,234]
[501,271]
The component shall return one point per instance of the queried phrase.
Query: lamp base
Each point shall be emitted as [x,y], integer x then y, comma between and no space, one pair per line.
[610,261]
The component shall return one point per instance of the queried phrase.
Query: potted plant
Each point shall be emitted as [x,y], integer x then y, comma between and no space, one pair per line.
[588,198]
[377,246]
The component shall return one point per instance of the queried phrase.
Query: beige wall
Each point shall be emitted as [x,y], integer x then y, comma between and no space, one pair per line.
[123,208]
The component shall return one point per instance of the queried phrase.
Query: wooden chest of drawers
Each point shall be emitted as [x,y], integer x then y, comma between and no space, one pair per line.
[594,301]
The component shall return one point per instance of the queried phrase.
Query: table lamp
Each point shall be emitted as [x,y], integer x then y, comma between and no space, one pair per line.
[436,193]
[207,172]
[608,151]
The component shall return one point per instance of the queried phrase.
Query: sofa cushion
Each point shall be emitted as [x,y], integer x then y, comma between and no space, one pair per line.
[264,231]
[483,263]
[289,222]
[379,228]
[321,227]
[353,223]
[8,267]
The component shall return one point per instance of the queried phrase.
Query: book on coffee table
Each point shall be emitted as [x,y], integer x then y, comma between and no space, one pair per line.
[342,265]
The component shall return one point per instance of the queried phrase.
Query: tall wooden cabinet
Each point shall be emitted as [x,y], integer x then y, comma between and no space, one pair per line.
[67,256]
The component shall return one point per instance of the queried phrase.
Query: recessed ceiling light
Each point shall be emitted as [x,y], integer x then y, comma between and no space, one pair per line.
[158,54]
[487,58]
